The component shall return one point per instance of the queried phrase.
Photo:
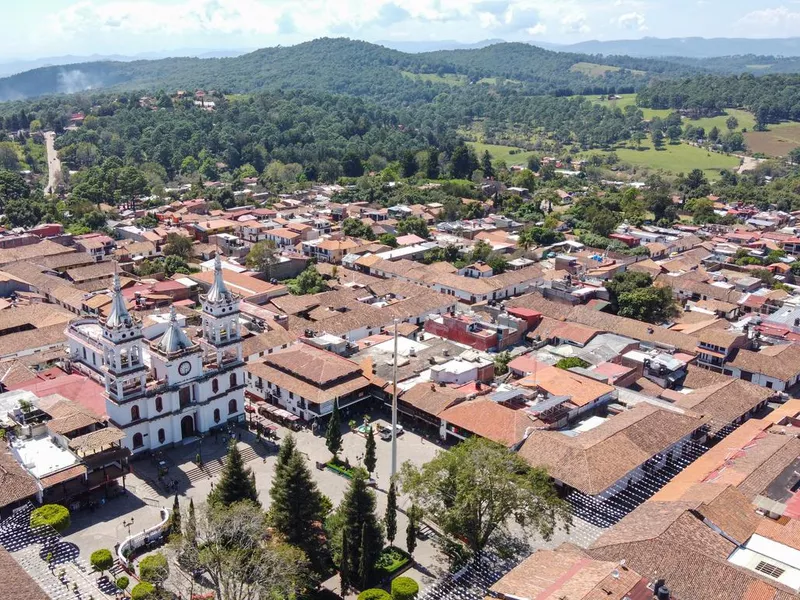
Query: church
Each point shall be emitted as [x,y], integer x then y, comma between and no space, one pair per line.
[173,388]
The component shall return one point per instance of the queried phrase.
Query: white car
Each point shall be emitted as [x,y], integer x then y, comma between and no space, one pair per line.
[386,432]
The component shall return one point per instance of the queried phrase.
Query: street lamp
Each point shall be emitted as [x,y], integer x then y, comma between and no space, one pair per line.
[128,525]
[394,404]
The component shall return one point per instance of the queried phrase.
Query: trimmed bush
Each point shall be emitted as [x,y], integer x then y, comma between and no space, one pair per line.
[122,583]
[154,568]
[404,588]
[374,594]
[101,560]
[143,591]
[54,515]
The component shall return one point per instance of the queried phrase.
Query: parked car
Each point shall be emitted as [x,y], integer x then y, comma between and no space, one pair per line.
[386,432]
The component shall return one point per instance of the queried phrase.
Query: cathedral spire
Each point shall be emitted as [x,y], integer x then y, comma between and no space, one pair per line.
[119,314]
[218,292]
[174,340]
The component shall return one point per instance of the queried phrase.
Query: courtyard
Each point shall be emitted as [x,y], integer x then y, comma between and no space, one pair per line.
[147,492]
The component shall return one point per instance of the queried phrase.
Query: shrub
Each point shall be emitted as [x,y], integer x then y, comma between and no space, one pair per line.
[101,560]
[154,568]
[143,591]
[54,515]
[404,588]
[122,583]
[374,594]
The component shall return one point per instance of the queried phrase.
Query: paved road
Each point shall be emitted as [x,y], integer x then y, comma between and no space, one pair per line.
[53,163]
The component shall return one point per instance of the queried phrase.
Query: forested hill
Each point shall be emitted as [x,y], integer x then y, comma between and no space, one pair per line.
[353,67]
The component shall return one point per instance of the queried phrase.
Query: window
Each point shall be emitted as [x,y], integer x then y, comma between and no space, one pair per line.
[233,379]
[159,404]
[161,436]
[231,407]
[214,385]
[135,413]
[770,569]
[216,415]
[138,440]
[291,396]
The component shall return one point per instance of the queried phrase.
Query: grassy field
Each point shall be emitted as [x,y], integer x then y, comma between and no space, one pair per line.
[746,120]
[447,78]
[629,100]
[597,70]
[504,153]
[778,141]
[680,158]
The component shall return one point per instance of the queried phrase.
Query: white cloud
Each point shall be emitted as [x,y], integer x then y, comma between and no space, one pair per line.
[538,29]
[632,20]
[575,22]
[774,22]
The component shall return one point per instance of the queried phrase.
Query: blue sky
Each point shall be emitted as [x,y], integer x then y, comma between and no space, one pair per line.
[38,28]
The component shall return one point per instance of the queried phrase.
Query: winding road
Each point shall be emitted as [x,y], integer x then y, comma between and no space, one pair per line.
[53,163]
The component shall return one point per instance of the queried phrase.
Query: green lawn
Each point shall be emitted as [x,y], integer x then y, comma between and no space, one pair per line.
[680,158]
[630,100]
[746,121]
[504,153]
[598,70]
[447,78]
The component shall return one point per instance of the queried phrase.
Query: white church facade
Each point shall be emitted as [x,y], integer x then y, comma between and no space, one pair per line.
[173,388]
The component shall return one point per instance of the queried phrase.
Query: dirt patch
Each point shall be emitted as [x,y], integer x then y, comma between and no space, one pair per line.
[779,141]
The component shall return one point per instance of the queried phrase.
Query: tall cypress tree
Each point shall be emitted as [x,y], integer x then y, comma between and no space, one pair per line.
[333,437]
[191,525]
[296,510]
[411,529]
[364,566]
[358,512]
[176,517]
[237,483]
[344,570]
[285,452]
[370,458]
[390,520]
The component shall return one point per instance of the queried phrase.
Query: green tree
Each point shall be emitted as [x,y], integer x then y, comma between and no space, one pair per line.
[794,156]
[190,535]
[404,588]
[390,519]
[23,213]
[651,304]
[236,484]
[154,569]
[713,135]
[356,228]
[143,591]
[626,282]
[333,435]
[477,488]
[374,594]
[571,362]
[731,123]
[414,516]
[122,583]
[498,263]
[352,165]
[344,566]
[388,239]
[176,517]
[432,164]
[408,164]
[178,245]
[461,163]
[638,137]
[287,449]
[486,164]
[263,256]
[658,138]
[101,560]
[501,361]
[358,521]
[308,282]
[370,457]
[534,163]
[415,225]
[296,509]
[53,515]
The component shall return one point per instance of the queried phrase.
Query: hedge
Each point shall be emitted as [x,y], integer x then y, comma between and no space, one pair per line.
[374,594]
[54,515]
[122,582]
[143,591]
[404,588]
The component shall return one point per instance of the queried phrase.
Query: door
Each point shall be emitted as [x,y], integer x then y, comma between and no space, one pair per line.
[187,426]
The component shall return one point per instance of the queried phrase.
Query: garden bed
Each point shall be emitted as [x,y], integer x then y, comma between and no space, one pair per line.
[392,562]
[341,468]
